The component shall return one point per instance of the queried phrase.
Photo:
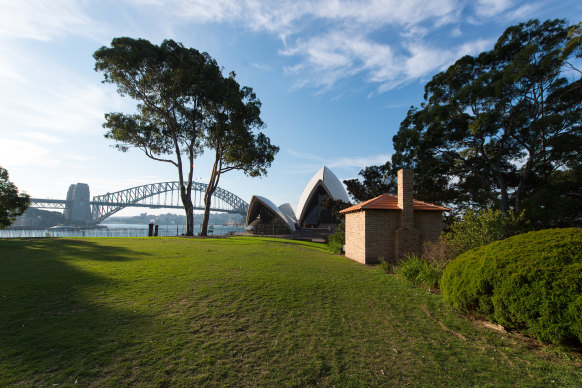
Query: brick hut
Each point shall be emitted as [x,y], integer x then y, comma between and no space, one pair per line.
[390,226]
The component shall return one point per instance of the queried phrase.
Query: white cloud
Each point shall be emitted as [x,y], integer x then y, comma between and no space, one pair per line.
[490,8]
[347,162]
[263,67]
[339,55]
[43,137]
[330,39]
[43,20]
[338,43]
[48,98]
[360,162]
[17,153]
[523,12]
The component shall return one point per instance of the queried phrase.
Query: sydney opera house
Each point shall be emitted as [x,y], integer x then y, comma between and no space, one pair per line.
[264,217]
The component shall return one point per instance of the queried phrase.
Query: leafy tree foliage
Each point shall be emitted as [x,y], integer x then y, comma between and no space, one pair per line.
[377,180]
[557,203]
[479,228]
[233,114]
[184,103]
[335,206]
[12,203]
[493,128]
[171,86]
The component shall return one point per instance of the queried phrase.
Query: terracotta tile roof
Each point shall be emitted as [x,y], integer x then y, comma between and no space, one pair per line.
[390,202]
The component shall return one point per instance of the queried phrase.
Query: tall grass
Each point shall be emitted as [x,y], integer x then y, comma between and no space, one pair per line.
[419,272]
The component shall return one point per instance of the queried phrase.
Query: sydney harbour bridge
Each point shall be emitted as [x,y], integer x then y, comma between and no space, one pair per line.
[78,207]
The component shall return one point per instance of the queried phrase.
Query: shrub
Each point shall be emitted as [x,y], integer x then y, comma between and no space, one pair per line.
[337,240]
[439,253]
[480,228]
[386,266]
[531,282]
[419,271]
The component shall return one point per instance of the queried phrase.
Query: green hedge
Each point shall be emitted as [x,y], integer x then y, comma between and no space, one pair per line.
[531,282]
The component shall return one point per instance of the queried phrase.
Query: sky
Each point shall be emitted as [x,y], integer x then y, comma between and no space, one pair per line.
[335,78]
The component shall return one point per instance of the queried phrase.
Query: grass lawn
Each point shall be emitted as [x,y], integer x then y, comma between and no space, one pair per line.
[240,312]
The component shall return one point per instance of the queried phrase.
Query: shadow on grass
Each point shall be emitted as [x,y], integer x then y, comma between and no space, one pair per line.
[60,249]
[304,244]
[51,323]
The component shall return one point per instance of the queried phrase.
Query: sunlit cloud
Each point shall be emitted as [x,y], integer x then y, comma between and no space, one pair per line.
[339,55]
[18,153]
[49,98]
[44,20]
[332,40]
[42,137]
[490,8]
[329,40]
[342,162]
[263,67]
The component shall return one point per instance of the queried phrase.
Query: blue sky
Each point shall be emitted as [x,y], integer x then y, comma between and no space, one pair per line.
[335,78]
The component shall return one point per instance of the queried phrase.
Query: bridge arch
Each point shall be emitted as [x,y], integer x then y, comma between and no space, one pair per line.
[106,205]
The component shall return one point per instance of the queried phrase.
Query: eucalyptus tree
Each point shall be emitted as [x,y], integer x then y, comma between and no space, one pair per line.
[376,180]
[171,85]
[494,127]
[232,131]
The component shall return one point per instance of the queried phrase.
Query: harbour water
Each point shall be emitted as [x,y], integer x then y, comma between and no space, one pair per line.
[118,230]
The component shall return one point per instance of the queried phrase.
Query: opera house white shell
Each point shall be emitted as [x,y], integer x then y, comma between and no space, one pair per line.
[264,214]
[323,180]
[265,217]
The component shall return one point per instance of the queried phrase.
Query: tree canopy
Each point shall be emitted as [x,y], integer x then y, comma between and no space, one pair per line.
[12,203]
[234,115]
[184,103]
[493,128]
[376,180]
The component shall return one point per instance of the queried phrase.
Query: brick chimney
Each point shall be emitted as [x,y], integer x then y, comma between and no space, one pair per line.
[406,237]
[405,182]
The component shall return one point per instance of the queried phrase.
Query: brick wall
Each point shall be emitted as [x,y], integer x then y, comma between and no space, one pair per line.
[380,228]
[429,225]
[372,234]
[356,236]
[405,185]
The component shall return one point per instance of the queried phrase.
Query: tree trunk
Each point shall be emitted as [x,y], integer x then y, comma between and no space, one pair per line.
[210,189]
[504,194]
[519,191]
[189,209]
[206,218]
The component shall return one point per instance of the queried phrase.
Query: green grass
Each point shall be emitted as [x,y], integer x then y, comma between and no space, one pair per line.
[240,312]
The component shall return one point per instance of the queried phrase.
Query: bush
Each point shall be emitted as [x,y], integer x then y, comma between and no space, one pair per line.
[387,266]
[337,240]
[480,228]
[531,282]
[419,272]
[439,252]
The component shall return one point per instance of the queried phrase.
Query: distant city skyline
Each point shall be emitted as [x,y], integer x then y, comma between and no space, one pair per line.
[335,79]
